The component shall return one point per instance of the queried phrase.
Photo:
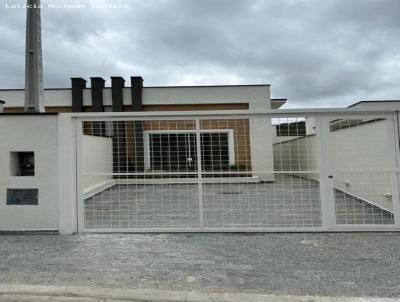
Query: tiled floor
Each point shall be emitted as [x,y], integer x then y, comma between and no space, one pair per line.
[287,202]
[352,210]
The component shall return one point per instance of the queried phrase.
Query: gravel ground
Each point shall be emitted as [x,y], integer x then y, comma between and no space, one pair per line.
[335,264]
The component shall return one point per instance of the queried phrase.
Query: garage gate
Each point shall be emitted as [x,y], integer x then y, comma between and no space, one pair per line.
[207,172]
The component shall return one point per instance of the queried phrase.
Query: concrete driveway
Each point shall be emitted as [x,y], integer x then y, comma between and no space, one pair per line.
[337,264]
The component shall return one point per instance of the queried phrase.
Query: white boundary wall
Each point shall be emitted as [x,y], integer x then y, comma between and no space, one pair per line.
[40,135]
[297,154]
[357,155]
[97,152]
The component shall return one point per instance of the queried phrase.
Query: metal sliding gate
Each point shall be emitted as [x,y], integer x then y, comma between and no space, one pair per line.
[285,170]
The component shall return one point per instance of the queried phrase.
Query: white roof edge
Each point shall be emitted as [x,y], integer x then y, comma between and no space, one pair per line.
[145,87]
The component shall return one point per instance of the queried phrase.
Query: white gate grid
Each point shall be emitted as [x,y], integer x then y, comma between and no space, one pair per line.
[282,170]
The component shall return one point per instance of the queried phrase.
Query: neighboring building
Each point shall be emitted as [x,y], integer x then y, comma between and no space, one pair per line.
[378,104]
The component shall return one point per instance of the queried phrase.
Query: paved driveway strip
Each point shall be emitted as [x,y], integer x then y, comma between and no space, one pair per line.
[336,264]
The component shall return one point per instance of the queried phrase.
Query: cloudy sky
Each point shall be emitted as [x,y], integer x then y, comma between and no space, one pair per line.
[316,53]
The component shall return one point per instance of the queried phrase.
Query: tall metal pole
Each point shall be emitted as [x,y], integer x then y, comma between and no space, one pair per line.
[33,59]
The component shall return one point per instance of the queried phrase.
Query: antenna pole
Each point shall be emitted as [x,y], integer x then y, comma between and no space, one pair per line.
[33,59]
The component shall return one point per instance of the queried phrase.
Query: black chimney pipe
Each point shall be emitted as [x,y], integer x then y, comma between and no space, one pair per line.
[97,94]
[77,84]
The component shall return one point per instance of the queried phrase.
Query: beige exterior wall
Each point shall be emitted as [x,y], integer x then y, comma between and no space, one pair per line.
[241,135]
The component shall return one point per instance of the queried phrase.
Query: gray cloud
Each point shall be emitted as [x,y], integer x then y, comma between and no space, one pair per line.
[316,53]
